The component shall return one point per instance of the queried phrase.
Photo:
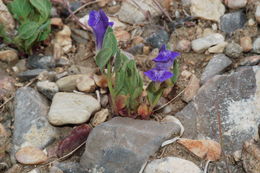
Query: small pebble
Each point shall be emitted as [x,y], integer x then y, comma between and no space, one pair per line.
[30,156]
[186,74]
[233,50]
[251,22]
[236,4]
[100,117]
[183,46]
[122,35]
[230,22]
[104,101]
[246,43]
[201,44]
[8,56]
[257,13]
[56,21]
[219,48]
[100,81]
[40,62]
[86,84]
[256,46]
[237,155]
[192,89]
[47,88]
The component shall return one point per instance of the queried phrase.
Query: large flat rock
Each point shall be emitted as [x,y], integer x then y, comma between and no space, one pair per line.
[122,145]
[235,98]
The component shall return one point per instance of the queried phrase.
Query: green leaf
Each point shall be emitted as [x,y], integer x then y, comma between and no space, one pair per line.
[176,72]
[103,57]
[27,30]
[153,96]
[20,9]
[43,7]
[118,61]
[4,34]
[45,30]
[110,41]
[29,42]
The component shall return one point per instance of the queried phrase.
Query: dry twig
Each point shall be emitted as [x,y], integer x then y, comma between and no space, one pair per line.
[83,6]
[11,98]
[163,10]
[221,139]
[168,102]
[66,2]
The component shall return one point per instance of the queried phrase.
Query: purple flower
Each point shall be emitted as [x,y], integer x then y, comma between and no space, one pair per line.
[164,62]
[98,21]
[158,75]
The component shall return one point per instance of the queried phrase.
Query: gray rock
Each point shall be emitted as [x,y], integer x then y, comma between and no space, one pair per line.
[80,36]
[122,145]
[31,126]
[130,13]
[155,36]
[30,74]
[70,167]
[40,62]
[72,108]
[157,39]
[232,21]
[250,61]
[47,88]
[235,98]
[137,49]
[68,83]
[172,165]
[233,50]
[201,44]
[256,46]
[63,61]
[215,66]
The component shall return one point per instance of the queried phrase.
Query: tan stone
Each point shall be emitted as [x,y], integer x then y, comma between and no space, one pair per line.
[30,156]
[86,84]
[205,149]
[8,55]
[56,21]
[246,43]
[219,48]
[122,35]
[207,9]
[192,89]
[100,117]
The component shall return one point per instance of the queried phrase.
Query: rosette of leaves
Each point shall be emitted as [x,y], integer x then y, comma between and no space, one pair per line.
[33,17]
[124,81]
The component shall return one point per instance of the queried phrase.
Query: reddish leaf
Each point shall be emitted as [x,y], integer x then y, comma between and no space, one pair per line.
[120,102]
[143,111]
[77,136]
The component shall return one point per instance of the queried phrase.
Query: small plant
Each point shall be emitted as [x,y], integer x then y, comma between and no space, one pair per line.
[128,95]
[33,17]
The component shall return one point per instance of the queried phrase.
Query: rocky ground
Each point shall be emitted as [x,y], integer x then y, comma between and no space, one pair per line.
[54,104]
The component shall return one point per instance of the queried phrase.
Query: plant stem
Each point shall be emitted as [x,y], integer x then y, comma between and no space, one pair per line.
[110,85]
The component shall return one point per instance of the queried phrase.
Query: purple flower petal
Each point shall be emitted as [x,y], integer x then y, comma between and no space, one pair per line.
[158,75]
[164,65]
[98,21]
[165,55]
